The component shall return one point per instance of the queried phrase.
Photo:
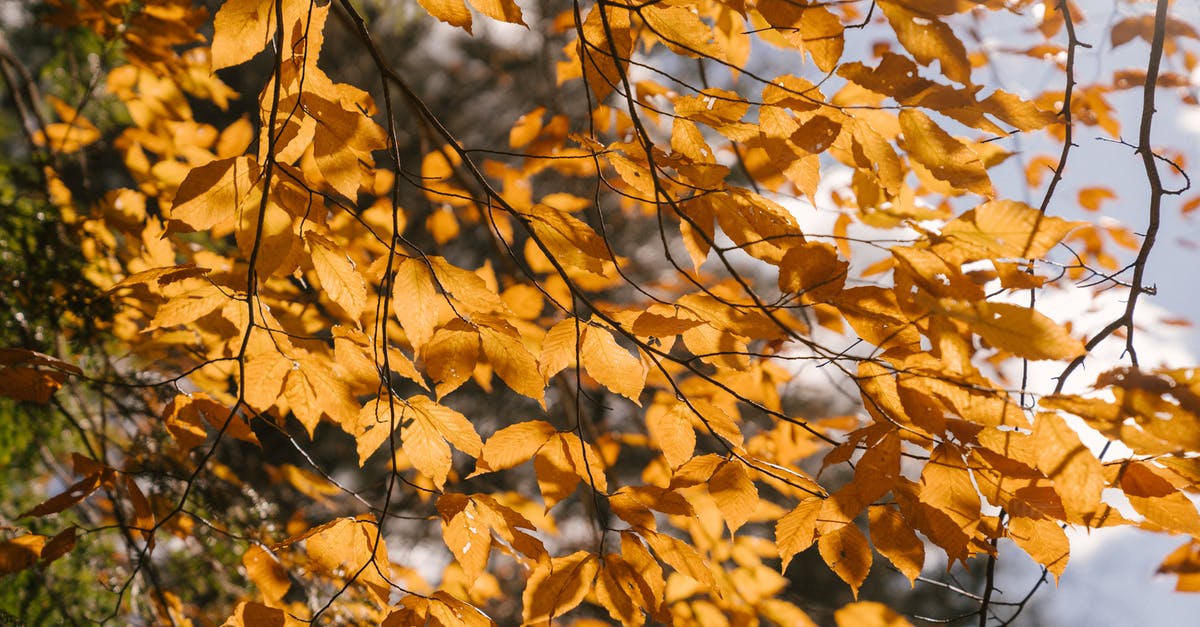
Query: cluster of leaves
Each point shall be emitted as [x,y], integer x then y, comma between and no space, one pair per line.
[271,291]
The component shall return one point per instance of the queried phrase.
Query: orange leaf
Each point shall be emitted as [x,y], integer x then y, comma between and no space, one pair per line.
[734,493]
[848,554]
[947,159]
[452,12]
[1160,502]
[415,301]
[797,529]
[929,39]
[680,556]
[214,193]
[1022,331]
[556,586]
[75,493]
[266,572]
[672,430]
[1044,540]
[503,10]
[895,539]
[340,280]
[20,552]
[610,364]
[869,614]
[512,360]
[241,29]
[514,445]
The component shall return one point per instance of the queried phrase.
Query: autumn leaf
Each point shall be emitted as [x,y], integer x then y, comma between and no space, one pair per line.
[610,364]
[945,158]
[339,279]
[735,494]
[796,531]
[557,586]
[213,193]
[896,540]
[847,553]
[514,445]
[1019,330]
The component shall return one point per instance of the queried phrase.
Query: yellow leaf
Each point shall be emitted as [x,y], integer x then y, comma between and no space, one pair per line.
[527,128]
[265,374]
[814,270]
[734,493]
[671,429]
[468,539]
[514,445]
[610,364]
[682,31]
[604,48]
[848,554]
[1044,540]
[72,134]
[585,460]
[570,240]
[556,586]
[809,27]
[797,529]
[342,140]
[876,473]
[272,239]
[214,193]
[452,12]
[947,159]
[241,29]
[340,280]
[189,307]
[620,589]
[895,539]
[556,474]
[869,614]
[928,39]
[954,505]
[347,546]
[697,229]
[427,450]
[415,302]
[425,435]
[680,556]
[508,524]
[558,347]
[1001,228]
[512,361]
[503,10]
[1160,502]
[451,354]
[875,315]
[266,572]
[468,288]
[313,389]
[1022,331]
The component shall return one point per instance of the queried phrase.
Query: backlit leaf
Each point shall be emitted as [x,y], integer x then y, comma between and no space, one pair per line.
[946,158]
[557,586]
[848,554]
[213,193]
[340,280]
[611,364]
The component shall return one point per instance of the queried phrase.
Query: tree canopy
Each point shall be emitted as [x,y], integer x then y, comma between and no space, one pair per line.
[497,312]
